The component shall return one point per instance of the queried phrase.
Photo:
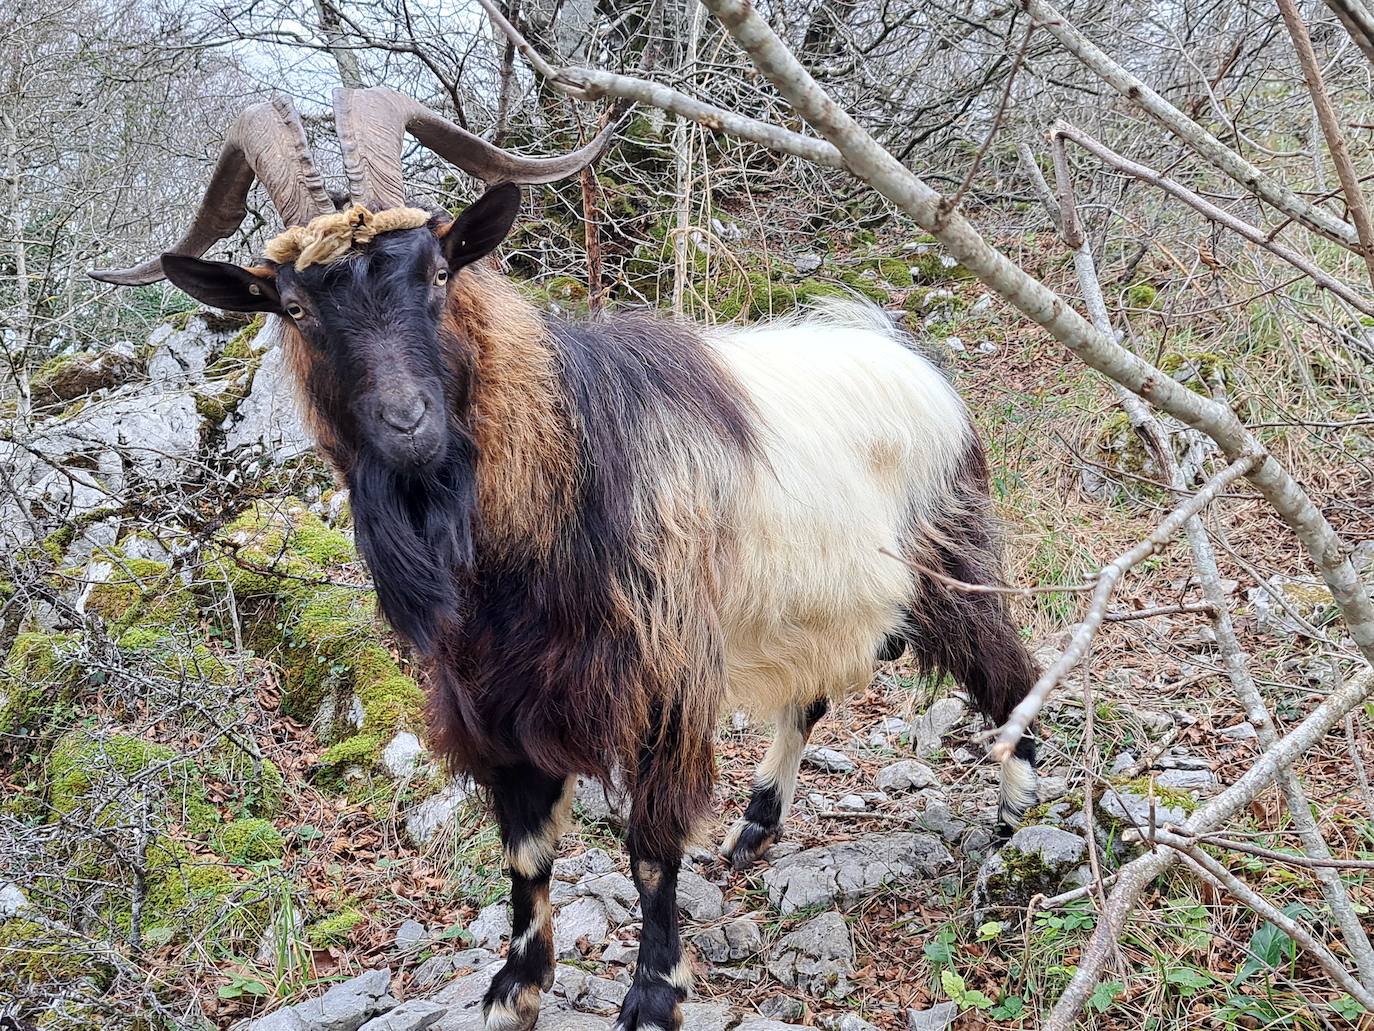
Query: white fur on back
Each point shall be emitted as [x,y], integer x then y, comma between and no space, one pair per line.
[861,436]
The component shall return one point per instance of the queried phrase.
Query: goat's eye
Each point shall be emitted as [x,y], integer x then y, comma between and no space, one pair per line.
[295,310]
[441,277]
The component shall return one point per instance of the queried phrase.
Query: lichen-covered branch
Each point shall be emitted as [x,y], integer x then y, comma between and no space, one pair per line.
[1203,143]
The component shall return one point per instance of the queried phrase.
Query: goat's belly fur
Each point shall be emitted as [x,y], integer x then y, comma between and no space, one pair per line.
[861,440]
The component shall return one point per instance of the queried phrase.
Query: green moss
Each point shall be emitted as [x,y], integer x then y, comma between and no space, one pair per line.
[1174,797]
[1196,369]
[34,954]
[866,283]
[358,750]
[334,930]
[251,840]
[40,678]
[55,545]
[140,591]
[81,760]
[184,893]
[896,272]
[930,268]
[1141,295]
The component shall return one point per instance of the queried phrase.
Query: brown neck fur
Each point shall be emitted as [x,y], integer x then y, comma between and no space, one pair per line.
[527,468]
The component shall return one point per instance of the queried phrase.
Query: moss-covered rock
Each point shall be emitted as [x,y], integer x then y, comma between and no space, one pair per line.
[324,635]
[335,929]
[83,761]
[36,954]
[40,679]
[71,376]
[251,840]
[140,592]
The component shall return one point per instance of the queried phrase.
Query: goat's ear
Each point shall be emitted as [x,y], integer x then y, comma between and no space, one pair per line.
[483,224]
[222,285]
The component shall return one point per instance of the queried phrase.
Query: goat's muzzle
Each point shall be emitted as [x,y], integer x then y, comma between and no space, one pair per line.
[407,424]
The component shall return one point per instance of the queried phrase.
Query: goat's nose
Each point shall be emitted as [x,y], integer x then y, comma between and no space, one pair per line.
[404,413]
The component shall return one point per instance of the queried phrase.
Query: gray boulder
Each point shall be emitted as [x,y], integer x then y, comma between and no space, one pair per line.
[1037,860]
[849,870]
[267,424]
[1133,809]
[699,898]
[906,775]
[739,939]
[817,957]
[936,1018]
[585,918]
[345,1007]
[408,1016]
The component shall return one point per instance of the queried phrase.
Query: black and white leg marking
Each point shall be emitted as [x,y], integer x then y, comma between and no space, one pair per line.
[1018,788]
[532,809]
[663,977]
[775,785]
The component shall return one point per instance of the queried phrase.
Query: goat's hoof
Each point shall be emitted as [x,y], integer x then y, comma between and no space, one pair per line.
[651,1007]
[510,1004]
[747,842]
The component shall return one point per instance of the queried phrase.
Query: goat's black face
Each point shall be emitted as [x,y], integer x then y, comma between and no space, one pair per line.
[374,321]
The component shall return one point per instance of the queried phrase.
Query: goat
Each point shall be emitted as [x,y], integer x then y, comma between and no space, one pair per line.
[596,534]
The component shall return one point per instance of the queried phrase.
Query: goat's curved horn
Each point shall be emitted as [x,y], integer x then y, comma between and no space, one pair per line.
[267,141]
[373,122]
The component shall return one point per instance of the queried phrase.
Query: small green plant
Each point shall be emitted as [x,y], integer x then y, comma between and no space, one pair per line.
[961,994]
[240,985]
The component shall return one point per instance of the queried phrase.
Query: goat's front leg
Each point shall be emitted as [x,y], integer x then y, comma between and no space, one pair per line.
[532,809]
[662,976]
[672,793]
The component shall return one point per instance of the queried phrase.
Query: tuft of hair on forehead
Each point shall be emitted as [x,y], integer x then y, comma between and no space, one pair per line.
[330,237]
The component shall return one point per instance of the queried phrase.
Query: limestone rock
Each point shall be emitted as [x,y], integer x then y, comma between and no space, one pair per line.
[491,926]
[410,934]
[1037,860]
[408,1016]
[939,720]
[1306,596]
[435,812]
[705,1016]
[402,754]
[437,970]
[1133,809]
[699,898]
[267,423]
[345,1007]
[736,940]
[906,775]
[817,957]
[597,803]
[848,870]
[828,760]
[12,901]
[585,918]
[937,1018]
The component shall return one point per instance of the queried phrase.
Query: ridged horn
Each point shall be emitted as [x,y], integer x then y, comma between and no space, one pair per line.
[266,141]
[372,124]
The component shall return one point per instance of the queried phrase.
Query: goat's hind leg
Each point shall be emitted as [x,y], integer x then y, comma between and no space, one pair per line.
[532,809]
[775,784]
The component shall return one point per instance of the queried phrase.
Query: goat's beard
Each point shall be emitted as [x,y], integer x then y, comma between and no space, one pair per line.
[414,530]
